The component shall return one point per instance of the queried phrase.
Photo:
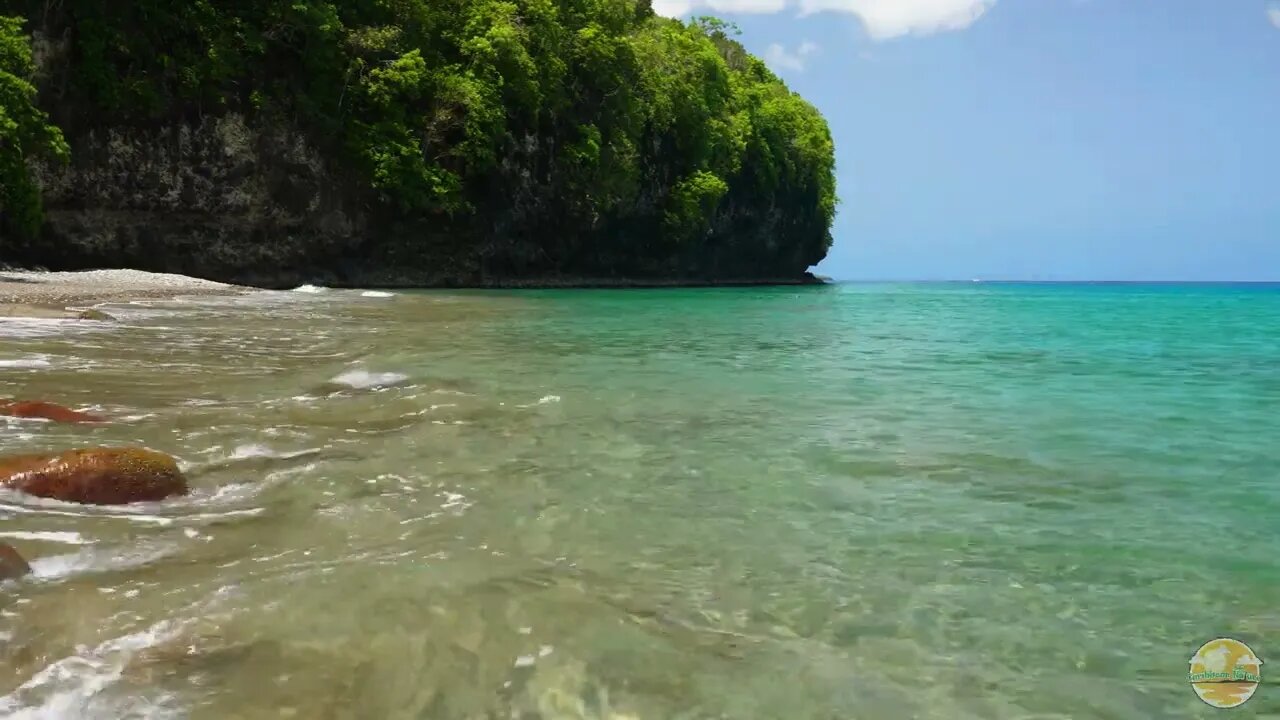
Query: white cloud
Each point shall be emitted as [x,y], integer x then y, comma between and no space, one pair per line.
[882,19]
[779,58]
[672,8]
[1273,14]
[885,19]
[747,6]
[678,8]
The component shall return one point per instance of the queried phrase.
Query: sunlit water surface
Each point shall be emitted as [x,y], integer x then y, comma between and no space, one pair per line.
[853,502]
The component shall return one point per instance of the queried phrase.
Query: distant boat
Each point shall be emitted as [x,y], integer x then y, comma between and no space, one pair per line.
[976,280]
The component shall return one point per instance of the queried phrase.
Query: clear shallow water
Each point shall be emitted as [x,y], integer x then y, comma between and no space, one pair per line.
[879,501]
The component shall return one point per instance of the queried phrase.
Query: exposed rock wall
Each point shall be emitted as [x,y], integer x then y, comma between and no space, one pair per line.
[235,197]
[216,198]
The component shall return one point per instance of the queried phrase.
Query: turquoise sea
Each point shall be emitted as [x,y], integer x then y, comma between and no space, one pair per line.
[857,501]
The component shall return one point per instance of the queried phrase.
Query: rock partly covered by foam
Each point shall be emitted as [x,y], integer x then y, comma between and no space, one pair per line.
[12,565]
[97,476]
[47,411]
[95,315]
[362,380]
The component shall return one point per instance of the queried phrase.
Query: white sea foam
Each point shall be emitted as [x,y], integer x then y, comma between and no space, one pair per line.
[31,505]
[544,400]
[94,560]
[365,380]
[13,431]
[18,421]
[67,538]
[39,327]
[75,686]
[200,402]
[257,450]
[31,362]
[310,289]
[376,294]
[203,519]
[141,310]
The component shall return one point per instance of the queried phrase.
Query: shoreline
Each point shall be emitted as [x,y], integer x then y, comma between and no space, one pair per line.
[584,284]
[26,294]
[58,294]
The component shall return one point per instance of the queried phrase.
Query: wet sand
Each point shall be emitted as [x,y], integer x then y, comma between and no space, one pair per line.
[27,294]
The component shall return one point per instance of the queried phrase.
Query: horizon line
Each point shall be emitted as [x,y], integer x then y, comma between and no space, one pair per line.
[1025,281]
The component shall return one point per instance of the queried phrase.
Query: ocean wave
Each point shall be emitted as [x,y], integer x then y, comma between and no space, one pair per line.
[96,560]
[257,450]
[141,310]
[14,502]
[16,433]
[66,538]
[200,402]
[544,400]
[252,459]
[75,686]
[27,363]
[310,289]
[219,518]
[376,294]
[25,328]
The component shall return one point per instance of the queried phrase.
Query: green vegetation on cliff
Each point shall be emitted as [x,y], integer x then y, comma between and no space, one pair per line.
[24,132]
[512,138]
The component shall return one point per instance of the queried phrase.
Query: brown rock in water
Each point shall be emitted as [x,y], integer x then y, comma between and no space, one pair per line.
[48,411]
[96,315]
[97,476]
[12,565]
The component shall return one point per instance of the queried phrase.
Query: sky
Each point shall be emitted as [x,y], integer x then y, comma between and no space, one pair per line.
[1038,139]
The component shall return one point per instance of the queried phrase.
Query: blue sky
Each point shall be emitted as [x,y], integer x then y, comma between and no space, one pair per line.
[1038,139]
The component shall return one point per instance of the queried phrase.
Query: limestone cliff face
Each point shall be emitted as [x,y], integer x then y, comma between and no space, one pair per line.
[222,198]
[215,197]
[252,199]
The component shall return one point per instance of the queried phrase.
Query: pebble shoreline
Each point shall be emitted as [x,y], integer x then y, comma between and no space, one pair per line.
[25,293]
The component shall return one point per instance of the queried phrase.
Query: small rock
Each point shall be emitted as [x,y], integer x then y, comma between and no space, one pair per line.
[48,411]
[96,476]
[97,315]
[12,566]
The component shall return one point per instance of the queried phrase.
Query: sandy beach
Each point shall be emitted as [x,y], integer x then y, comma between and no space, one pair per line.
[25,293]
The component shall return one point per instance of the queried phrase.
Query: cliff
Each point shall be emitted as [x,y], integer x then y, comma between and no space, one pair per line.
[471,142]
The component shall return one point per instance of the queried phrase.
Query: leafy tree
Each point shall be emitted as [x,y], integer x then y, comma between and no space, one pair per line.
[574,136]
[24,132]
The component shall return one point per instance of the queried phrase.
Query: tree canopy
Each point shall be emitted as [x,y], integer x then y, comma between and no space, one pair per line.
[605,135]
[24,132]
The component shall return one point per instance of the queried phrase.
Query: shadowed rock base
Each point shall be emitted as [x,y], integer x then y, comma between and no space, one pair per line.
[99,476]
[12,566]
[48,411]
